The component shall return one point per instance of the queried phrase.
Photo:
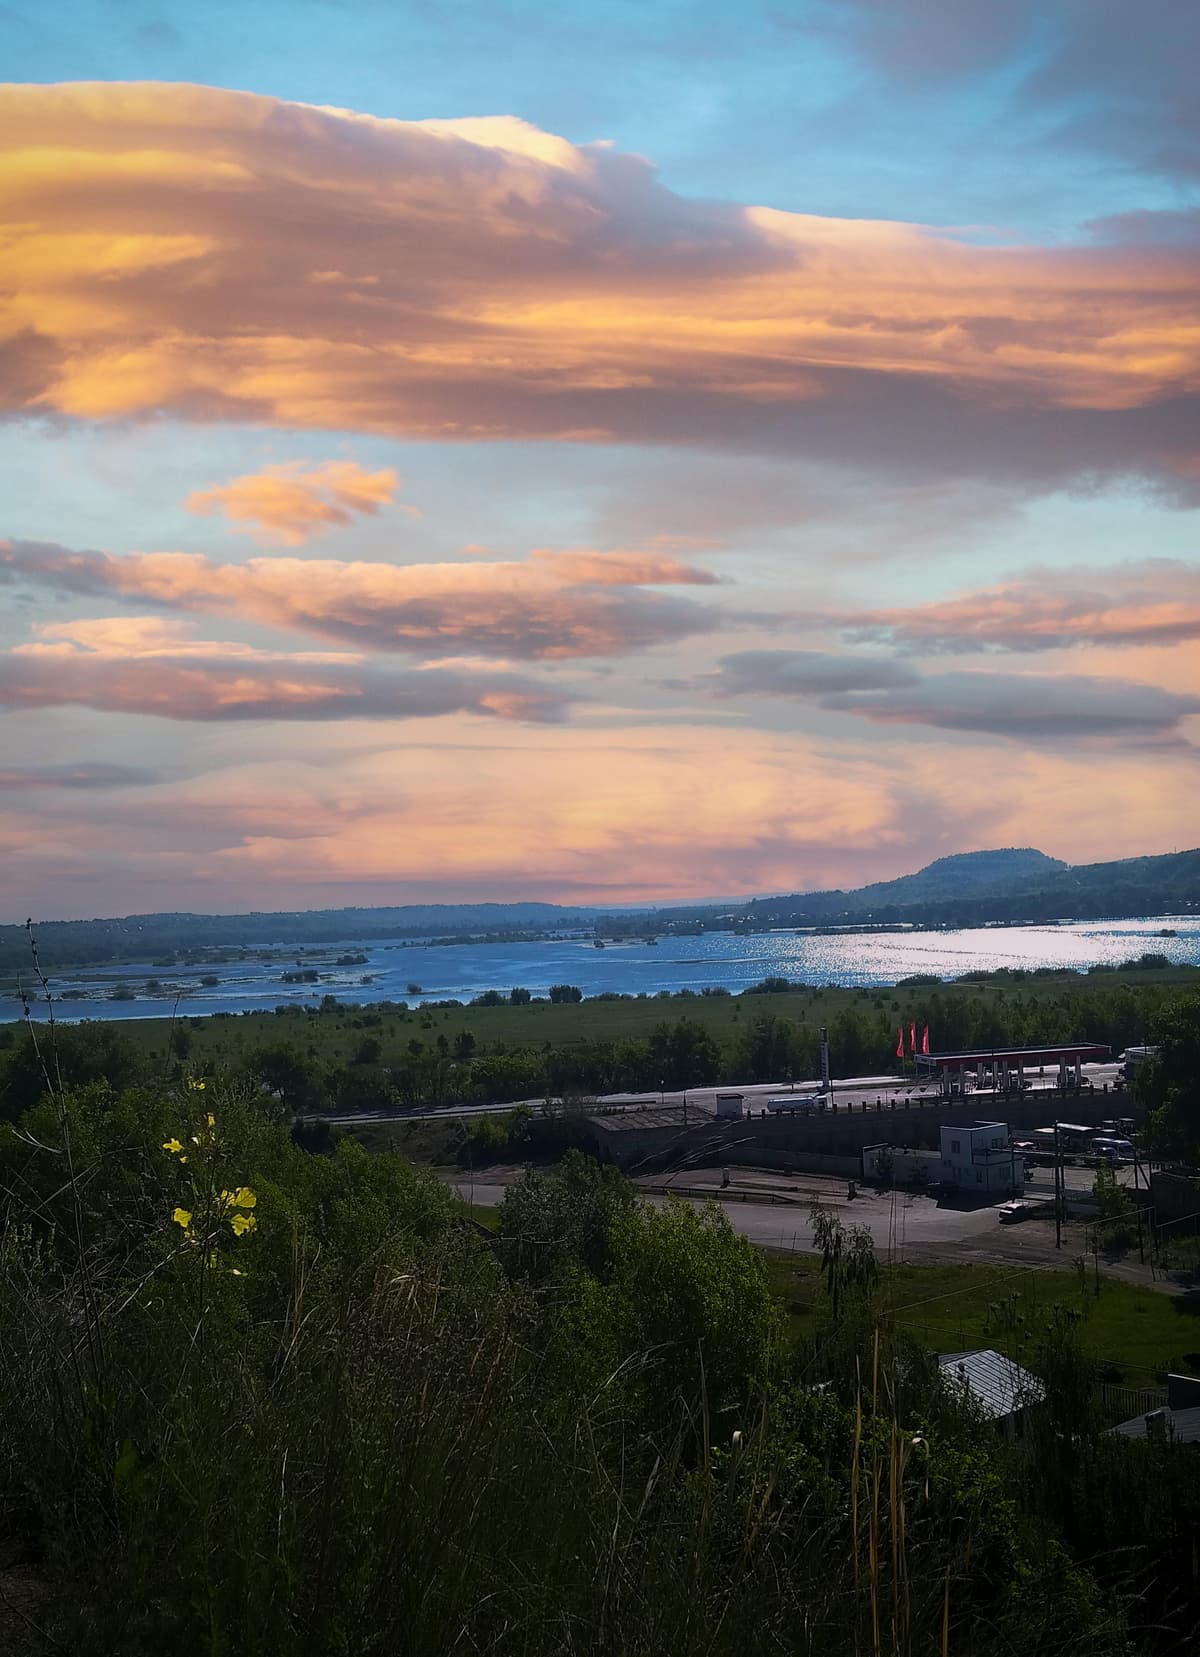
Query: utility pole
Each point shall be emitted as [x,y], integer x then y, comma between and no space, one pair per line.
[824,1060]
[1058,1183]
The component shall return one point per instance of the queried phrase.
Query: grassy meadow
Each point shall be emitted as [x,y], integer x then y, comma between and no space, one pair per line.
[1134,1335]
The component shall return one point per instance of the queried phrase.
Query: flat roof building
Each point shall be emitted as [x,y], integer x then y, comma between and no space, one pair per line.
[979,1157]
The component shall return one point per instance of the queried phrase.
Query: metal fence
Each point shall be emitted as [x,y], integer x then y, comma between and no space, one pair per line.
[1123,1403]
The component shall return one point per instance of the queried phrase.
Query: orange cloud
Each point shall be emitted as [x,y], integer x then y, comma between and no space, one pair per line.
[558,604]
[143,665]
[286,505]
[222,254]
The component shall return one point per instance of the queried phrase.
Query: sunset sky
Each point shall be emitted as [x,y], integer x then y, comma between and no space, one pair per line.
[598,452]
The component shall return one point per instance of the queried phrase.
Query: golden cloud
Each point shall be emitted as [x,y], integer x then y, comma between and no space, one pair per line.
[221,254]
[287,504]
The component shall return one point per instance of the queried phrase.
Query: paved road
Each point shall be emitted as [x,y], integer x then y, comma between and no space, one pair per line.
[774,1211]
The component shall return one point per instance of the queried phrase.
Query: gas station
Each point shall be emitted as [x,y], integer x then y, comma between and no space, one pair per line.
[1003,1069]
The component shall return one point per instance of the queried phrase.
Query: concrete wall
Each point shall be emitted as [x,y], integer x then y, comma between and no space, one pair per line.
[757,1138]
[1176,1199]
[806,1162]
[908,1167]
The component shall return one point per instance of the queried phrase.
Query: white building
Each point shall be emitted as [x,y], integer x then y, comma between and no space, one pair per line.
[1000,1388]
[980,1158]
[731,1106]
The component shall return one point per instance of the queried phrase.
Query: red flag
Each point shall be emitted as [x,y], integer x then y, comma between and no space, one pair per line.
[925,1039]
[899,1041]
[912,1038]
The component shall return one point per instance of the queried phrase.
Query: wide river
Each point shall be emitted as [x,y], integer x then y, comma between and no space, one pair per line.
[716,958]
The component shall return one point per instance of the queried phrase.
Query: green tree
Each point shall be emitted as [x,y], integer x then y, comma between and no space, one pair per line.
[692,1303]
[848,1264]
[282,1071]
[1169,1085]
[766,1053]
[548,1220]
[684,1054]
[464,1045]
[76,1058]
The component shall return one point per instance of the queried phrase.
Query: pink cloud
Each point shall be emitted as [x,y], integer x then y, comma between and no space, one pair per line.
[288,504]
[142,665]
[628,815]
[556,605]
[1154,602]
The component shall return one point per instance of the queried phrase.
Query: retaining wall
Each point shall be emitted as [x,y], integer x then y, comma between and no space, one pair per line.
[775,1141]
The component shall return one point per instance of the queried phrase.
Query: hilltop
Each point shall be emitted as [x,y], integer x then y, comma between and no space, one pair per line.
[1012,884]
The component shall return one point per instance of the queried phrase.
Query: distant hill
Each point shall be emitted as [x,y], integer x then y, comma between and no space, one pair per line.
[967,874]
[149,937]
[1007,885]
[1013,884]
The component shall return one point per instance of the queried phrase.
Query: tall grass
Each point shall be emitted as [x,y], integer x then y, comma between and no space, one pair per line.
[352,1430]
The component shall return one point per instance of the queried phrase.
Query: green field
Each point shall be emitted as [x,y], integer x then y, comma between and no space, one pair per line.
[1135,1334]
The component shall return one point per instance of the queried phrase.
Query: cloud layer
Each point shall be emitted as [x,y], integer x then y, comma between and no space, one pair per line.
[142,665]
[286,505]
[557,604]
[1025,708]
[1153,602]
[220,254]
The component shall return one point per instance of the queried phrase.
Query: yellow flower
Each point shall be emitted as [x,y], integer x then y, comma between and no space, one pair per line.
[226,1199]
[196,1083]
[242,1223]
[182,1217]
[243,1197]
[210,1119]
[172,1145]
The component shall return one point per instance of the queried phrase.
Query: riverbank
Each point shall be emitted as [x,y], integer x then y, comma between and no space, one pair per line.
[371,972]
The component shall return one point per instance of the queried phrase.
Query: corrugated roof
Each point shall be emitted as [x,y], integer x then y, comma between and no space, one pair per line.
[997,1384]
[1181,1426]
